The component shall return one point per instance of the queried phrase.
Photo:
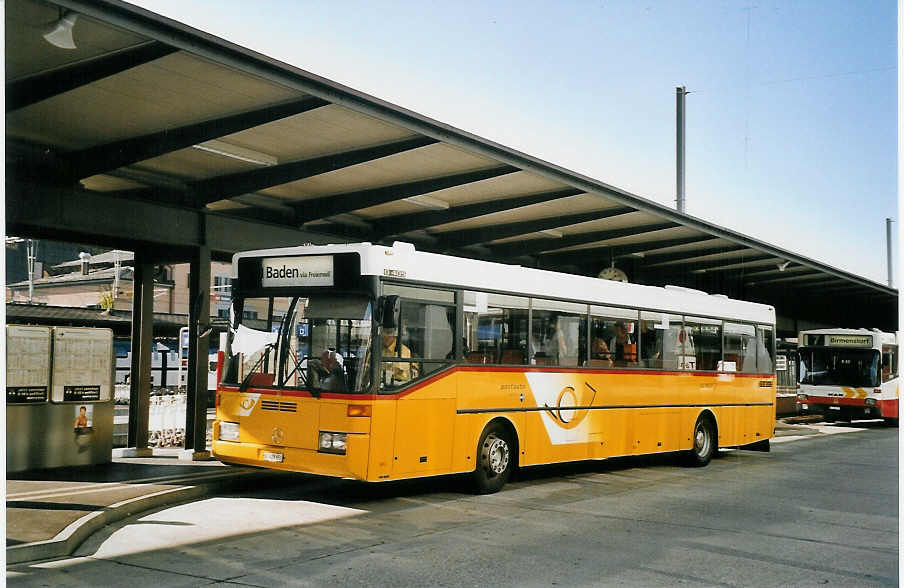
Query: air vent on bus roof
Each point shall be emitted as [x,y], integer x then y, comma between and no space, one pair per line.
[683,289]
[403,246]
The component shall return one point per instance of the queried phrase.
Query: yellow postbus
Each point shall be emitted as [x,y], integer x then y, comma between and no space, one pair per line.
[382,363]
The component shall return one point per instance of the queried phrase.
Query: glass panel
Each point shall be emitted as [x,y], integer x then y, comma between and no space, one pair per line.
[765,343]
[427,342]
[889,362]
[431,294]
[319,354]
[497,332]
[613,337]
[702,344]
[659,340]
[740,348]
[558,337]
[839,367]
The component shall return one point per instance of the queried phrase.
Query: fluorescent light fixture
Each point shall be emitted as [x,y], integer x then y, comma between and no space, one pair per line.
[428,202]
[555,233]
[59,34]
[225,149]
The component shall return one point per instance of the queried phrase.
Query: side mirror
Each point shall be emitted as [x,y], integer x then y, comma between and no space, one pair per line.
[388,311]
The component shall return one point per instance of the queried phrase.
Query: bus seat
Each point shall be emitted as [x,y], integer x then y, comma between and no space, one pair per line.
[514,356]
[545,361]
[477,357]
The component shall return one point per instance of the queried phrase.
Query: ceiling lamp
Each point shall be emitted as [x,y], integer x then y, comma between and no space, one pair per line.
[59,34]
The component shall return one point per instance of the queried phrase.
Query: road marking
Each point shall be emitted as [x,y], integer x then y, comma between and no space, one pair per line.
[109,486]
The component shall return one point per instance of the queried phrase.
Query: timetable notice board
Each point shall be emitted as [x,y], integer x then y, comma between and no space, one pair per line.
[82,364]
[27,364]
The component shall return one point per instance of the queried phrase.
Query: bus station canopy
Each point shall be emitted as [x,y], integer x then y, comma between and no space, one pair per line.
[151,135]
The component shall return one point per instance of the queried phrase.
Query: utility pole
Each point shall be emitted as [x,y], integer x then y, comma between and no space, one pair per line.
[888,222]
[680,92]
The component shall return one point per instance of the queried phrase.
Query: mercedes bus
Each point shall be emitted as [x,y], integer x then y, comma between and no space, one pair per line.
[383,362]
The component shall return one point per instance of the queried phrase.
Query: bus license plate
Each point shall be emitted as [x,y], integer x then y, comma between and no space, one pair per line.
[273,456]
[834,407]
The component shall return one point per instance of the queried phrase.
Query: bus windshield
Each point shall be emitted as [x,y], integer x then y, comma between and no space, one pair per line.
[839,367]
[319,344]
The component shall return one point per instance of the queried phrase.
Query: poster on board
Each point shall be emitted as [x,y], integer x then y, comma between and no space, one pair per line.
[27,364]
[82,364]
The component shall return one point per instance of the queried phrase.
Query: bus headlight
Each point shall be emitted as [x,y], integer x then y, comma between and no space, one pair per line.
[332,442]
[801,397]
[229,431]
[871,402]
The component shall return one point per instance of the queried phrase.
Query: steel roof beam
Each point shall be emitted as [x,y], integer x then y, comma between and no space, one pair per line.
[627,250]
[805,277]
[715,265]
[36,88]
[793,270]
[325,206]
[109,156]
[464,237]
[531,248]
[688,257]
[405,223]
[235,184]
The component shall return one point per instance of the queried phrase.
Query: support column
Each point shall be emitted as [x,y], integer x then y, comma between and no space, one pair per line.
[142,341]
[198,351]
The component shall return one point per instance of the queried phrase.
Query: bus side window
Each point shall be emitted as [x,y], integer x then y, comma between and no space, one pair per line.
[495,328]
[428,334]
[613,337]
[660,340]
[703,343]
[889,363]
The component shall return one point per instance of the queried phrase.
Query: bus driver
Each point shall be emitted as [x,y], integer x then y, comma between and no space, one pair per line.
[400,371]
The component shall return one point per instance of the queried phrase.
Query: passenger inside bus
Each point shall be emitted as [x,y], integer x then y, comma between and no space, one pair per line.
[396,372]
[327,371]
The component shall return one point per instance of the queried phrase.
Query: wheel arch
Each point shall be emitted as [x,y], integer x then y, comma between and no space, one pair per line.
[709,414]
[511,429]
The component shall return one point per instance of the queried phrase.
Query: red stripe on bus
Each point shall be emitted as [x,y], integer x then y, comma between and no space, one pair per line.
[482,368]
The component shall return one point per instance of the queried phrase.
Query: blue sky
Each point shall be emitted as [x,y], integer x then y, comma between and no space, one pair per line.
[791,120]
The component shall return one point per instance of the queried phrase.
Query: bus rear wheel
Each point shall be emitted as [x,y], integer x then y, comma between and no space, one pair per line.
[704,443]
[891,421]
[495,459]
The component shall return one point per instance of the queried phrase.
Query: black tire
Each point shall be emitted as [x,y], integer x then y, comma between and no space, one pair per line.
[705,444]
[828,418]
[495,459]
[890,421]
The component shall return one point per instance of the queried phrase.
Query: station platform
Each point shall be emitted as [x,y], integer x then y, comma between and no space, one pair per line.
[50,512]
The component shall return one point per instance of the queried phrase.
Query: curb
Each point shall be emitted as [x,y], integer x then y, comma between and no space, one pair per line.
[68,540]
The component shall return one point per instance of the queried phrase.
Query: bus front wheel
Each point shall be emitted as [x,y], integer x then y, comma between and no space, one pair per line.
[495,459]
[704,443]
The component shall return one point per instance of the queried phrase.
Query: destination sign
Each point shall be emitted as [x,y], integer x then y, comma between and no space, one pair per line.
[313,270]
[840,340]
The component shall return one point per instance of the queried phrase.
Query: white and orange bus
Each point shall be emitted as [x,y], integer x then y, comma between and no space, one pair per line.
[383,363]
[848,374]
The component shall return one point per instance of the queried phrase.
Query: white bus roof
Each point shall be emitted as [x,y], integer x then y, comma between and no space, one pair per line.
[884,338]
[402,261]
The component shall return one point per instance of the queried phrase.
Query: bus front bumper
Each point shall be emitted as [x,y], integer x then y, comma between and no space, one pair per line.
[845,408]
[351,465]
